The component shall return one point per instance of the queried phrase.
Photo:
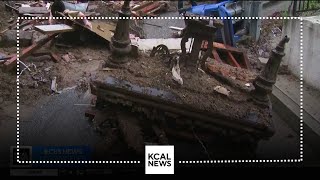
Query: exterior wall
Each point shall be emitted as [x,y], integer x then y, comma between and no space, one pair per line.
[311,49]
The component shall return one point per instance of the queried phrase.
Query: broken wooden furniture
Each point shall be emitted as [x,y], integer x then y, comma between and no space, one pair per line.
[178,118]
[147,89]
[230,55]
[196,105]
[200,30]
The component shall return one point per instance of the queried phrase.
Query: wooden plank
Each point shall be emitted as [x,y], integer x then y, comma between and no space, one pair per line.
[54,57]
[100,28]
[55,28]
[226,47]
[233,60]
[216,55]
[27,51]
[33,10]
[103,29]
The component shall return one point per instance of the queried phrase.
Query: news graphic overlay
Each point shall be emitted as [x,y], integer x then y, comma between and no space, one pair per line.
[159,159]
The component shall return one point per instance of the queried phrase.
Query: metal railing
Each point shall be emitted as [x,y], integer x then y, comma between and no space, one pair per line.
[305,5]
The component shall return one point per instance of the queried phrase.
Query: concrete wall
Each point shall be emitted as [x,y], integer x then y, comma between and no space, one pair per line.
[311,49]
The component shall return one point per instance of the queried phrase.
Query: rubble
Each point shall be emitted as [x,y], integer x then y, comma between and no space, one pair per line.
[199,99]
[222,90]
[142,8]
[176,73]
[54,86]
[263,60]
[9,38]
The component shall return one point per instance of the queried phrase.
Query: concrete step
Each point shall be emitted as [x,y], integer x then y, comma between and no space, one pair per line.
[286,102]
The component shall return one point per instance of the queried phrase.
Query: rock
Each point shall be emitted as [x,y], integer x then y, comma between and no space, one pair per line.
[66,58]
[72,57]
[47,69]
[1,100]
[54,85]
[176,74]
[35,84]
[222,90]
[41,64]
[263,60]
[9,38]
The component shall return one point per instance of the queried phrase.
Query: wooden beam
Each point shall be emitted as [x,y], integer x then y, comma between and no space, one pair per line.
[226,47]
[27,51]
[33,10]
[233,60]
[216,55]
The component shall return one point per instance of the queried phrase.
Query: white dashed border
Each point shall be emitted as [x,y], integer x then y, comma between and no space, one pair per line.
[181,162]
[301,89]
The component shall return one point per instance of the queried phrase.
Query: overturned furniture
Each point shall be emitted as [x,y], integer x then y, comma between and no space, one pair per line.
[217,113]
[194,109]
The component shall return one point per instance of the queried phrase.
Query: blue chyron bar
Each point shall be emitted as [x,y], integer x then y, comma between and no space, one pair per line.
[60,153]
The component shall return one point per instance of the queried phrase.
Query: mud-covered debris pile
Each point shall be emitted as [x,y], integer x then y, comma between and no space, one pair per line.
[198,89]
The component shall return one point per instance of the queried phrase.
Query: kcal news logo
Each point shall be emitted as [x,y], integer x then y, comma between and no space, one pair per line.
[159,159]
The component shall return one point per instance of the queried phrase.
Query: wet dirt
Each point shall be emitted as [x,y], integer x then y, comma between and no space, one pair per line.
[5,15]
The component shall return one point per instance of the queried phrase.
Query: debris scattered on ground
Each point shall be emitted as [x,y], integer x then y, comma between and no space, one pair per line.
[107,69]
[47,69]
[54,86]
[81,62]
[263,60]
[176,73]
[66,58]
[232,72]
[222,90]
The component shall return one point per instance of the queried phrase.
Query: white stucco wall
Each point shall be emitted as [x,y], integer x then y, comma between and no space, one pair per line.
[311,49]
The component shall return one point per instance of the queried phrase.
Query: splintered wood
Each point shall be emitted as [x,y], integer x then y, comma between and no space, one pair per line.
[103,29]
[56,28]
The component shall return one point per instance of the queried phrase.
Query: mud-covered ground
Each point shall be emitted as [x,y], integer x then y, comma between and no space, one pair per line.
[86,59]
[5,16]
